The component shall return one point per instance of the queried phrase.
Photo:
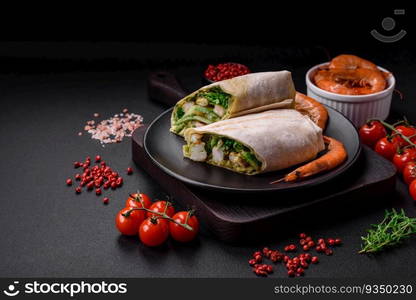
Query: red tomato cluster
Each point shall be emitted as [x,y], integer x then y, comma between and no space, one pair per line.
[154,222]
[225,71]
[394,148]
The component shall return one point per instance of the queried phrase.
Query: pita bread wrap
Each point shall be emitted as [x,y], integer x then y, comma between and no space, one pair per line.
[251,93]
[257,143]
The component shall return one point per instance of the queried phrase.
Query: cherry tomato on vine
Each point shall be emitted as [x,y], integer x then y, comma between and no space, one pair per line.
[412,189]
[406,131]
[402,158]
[159,206]
[371,132]
[409,172]
[134,200]
[129,225]
[153,232]
[180,233]
[387,147]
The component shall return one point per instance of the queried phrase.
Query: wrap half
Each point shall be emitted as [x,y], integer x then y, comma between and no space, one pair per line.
[234,97]
[256,143]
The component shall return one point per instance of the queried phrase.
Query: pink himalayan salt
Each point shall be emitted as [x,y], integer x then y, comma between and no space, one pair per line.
[114,129]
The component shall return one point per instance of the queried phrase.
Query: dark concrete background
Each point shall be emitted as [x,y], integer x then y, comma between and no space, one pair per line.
[47,230]
[50,84]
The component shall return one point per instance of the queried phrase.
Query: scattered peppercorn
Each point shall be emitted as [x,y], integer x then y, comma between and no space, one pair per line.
[296,265]
[300,272]
[262,269]
[97,176]
[328,252]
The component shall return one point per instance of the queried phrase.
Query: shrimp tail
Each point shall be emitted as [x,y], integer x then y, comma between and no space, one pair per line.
[335,156]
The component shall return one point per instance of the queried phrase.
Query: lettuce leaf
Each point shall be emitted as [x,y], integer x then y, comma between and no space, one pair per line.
[216,96]
[179,113]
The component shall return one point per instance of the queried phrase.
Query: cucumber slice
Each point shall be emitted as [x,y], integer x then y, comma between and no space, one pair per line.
[209,114]
[193,118]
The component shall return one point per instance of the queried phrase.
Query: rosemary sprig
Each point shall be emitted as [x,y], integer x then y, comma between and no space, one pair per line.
[395,227]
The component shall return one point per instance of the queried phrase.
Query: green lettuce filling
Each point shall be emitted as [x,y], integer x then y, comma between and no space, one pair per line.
[179,113]
[251,159]
[204,111]
[216,96]
[228,146]
[204,114]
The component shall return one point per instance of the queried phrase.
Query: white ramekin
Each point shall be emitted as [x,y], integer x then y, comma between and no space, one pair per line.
[358,108]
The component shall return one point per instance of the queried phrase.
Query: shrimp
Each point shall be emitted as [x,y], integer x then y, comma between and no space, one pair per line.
[335,156]
[217,154]
[351,62]
[219,110]
[312,108]
[197,152]
[350,82]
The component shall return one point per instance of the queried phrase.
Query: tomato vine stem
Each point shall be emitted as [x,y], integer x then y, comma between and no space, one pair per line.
[160,215]
[392,128]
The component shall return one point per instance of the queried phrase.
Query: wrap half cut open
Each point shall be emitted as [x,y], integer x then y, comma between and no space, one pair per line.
[256,143]
[234,97]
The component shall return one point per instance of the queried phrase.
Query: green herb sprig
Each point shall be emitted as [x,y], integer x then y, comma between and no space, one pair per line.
[395,227]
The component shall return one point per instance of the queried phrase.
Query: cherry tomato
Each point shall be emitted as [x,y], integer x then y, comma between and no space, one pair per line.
[412,189]
[401,159]
[135,200]
[153,232]
[181,234]
[129,225]
[387,147]
[371,132]
[159,206]
[409,172]
[406,131]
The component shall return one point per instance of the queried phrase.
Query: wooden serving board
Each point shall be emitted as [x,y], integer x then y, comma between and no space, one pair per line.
[238,217]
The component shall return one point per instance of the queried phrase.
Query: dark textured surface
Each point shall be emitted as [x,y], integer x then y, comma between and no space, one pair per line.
[47,230]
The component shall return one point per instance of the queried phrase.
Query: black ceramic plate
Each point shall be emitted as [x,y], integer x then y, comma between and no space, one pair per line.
[165,149]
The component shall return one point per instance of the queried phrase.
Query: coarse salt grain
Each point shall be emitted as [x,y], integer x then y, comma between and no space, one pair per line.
[114,129]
